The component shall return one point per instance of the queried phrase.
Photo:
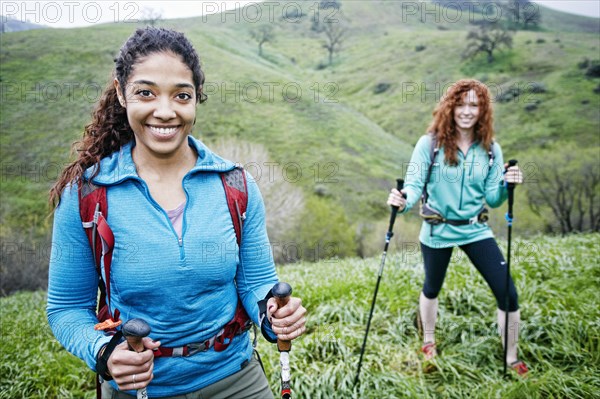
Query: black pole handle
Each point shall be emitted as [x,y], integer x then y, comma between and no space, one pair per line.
[511,191]
[282,291]
[399,186]
[511,163]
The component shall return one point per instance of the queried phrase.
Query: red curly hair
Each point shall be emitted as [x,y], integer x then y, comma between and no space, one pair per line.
[444,127]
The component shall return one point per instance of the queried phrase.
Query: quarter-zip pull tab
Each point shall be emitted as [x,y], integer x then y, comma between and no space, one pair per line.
[180,241]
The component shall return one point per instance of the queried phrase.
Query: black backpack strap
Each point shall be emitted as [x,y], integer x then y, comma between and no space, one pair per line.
[432,155]
[491,155]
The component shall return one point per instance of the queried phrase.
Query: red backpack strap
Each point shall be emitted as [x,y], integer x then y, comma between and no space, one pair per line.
[93,209]
[236,191]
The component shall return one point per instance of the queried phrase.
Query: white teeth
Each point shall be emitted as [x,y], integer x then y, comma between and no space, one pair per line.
[162,130]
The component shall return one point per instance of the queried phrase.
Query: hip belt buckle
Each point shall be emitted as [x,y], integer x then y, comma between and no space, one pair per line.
[198,347]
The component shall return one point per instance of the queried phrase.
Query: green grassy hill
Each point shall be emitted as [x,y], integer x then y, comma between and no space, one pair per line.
[557,280]
[330,124]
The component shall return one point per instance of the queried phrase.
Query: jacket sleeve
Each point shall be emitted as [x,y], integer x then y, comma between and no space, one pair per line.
[73,283]
[495,189]
[416,171]
[256,273]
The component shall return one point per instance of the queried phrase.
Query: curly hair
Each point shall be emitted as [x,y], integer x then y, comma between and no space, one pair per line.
[444,127]
[109,129]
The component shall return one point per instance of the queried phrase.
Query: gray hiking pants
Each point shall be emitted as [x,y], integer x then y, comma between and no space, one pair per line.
[248,383]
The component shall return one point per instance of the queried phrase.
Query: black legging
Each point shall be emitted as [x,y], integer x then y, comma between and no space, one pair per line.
[486,257]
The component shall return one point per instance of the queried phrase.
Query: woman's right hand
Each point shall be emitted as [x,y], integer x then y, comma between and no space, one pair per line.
[132,370]
[396,198]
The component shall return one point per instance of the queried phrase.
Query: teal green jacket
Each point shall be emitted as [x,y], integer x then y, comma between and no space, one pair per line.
[457,192]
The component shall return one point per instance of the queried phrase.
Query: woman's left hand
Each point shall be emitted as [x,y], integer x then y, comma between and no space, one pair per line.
[289,321]
[513,174]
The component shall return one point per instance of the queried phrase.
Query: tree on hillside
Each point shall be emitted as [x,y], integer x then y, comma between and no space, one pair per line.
[150,16]
[334,33]
[262,34]
[487,38]
[326,12]
[566,180]
[523,14]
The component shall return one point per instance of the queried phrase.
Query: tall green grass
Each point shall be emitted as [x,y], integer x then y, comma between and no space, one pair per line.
[557,280]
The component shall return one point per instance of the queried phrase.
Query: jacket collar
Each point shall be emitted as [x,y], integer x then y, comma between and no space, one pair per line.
[119,166]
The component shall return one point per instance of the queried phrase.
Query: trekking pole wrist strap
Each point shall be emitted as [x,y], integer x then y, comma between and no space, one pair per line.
[265,325]
[104,354]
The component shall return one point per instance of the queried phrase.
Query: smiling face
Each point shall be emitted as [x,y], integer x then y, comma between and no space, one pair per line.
[466,112]
[160,99]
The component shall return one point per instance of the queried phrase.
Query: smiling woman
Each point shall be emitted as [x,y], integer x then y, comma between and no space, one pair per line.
[168,211]
[161,109]
[460,144]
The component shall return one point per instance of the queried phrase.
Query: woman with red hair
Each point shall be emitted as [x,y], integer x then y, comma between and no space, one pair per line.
[456,168]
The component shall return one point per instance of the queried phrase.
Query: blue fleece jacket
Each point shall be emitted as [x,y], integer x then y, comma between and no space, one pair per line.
[457,192]
[186,290]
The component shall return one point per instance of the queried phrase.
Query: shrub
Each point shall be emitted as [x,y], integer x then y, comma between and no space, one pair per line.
[325,233]
[531,107]
[509,94]
[583,63]
[593,70]
[381,87]
[284,202]
[24,264]
[537,87]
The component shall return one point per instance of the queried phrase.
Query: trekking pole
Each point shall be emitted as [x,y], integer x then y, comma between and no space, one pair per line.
[388,236]
[509,220]
[282,292]
[134,330]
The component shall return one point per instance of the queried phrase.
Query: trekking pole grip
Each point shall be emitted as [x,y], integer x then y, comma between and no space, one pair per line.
[399,186]
[133,331]
[511,163]
[282,293]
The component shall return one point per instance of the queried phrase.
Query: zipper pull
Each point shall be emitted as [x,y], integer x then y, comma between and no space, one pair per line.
[180,241]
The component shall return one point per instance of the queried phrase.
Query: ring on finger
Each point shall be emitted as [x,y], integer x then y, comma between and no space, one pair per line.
[134,379]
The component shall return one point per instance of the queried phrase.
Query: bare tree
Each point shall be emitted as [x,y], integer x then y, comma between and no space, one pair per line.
[263,34]
[284,202]
[487,38]
[335,33]
[523,14]
[150,16]
[566,180]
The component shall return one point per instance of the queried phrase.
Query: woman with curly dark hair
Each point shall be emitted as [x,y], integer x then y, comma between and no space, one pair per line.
[455,169]
[178,261]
